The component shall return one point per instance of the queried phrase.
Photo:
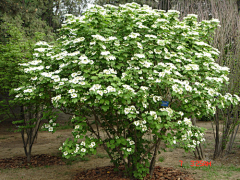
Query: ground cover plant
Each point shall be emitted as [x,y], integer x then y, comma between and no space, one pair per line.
[138,71]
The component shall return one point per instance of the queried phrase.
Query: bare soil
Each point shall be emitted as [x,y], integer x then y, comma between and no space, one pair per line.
[47,143]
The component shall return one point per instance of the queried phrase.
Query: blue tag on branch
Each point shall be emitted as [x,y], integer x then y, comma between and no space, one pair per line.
[165,103]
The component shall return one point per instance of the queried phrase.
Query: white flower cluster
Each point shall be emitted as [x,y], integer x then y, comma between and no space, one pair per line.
[168,110]
[157,51]
[188,137]
[41,49]
[144,88]
[95,87]
[72,92]
[109,71]
[211,91]
[84,60]
[77,79]
[131,142]
[141,26]
[154,114]
[139,55]
[35,62]
[26,70]
[57,98]
[77,40]
[177,89]
[215,79]
[111,38]
[131,110]
[92,145]
[110,57]
[104,53]
[110,89]
[28,90]
[73,53]
[191,67]
[187,122]
[201,43]
[41,43]
[151,36]
[99,37]
[129,88]
[141,124]
[134,35]
[60,55]
[161,42]
[48,126]
[146,64]
[157,98]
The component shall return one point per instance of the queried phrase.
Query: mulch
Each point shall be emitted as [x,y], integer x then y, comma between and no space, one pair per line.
[36,161]
[99,173]
[107,173]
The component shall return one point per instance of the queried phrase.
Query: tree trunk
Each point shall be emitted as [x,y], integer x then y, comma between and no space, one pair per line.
[153,161]
[216,151]
[199,151]
[31,133]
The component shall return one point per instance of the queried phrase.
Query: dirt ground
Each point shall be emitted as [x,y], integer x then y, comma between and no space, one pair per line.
[48,143]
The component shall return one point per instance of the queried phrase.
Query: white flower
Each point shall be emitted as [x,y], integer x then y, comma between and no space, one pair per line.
[40,49]
[71,91]
[139,45]
[134,35]
[105,53]
[111,57]
[131,142]
[83,150]
[187,122]
[139,55]
[73,95]
[77,127]
[27,90]
[50,129]
[174,141]
[82,143]
[93,144]
[144,88]
[161,42]
[74,74]
[136,123]
[129,149]
[157,51]
[144,128]
[65,153]
[100,92]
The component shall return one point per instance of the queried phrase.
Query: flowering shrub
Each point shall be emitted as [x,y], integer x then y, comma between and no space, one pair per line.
[120,64]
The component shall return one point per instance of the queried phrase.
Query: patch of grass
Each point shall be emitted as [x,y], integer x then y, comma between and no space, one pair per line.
[213,171]
[3,138]
[102,155]
[238,146]
[161,159]
[72,159]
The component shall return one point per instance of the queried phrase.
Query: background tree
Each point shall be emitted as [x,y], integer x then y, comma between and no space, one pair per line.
[19,34]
